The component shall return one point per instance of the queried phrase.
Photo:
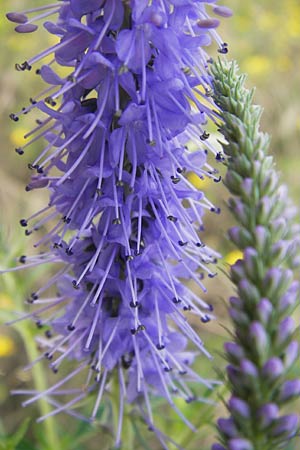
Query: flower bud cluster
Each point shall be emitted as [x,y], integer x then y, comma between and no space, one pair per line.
[126,218]
[265,348]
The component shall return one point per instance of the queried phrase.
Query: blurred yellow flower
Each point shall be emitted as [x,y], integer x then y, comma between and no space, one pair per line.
[17,136]
[267,21]
[257,65]
[232,257]
[6,302]
[7,346]
[196,181]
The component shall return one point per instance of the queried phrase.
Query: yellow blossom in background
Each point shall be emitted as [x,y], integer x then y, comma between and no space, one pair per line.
[197,182]
[6,302]
[7,346]
[16,137]
[257,65]
[232,257]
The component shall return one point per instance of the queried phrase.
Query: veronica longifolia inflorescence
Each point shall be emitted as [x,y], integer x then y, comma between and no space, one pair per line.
[117,129]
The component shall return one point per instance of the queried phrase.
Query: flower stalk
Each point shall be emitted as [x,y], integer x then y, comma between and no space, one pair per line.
[264,350]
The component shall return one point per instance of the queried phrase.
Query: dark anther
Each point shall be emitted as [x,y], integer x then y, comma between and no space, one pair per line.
[27,188]
[205,319]
[151,143]
[28,232]
[39,122]
[22,67]
[172,219]
[39,324]
[90,103]
[212,275]
[167,369]
[70,327]
[22,259]
[219,157]
[204,136]
[200,244]
[71,78]
[187,308]
[216,210]
[34,296]
[217,180]
[24,110]
[190,399]
[223,49]
[23,222]
[75,285]
[116,221]
[14,117]
[210,307]
[39,169]
[50,101]
[160,346]
[19,151]
[30,166]
[182,372]
[48,356]
[126,361]
[38,71]
[176,300]
[129,258]
[181,169]
[67,219]
[32,101]
[118,114]
[133,331]
[174,179]
[182,244]
[69,251]
[29,300]
[141,328]
[150,428]
[48,334]
[54,369]
[134,304]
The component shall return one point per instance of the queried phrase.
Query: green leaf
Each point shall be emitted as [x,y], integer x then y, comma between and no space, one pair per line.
[11,442]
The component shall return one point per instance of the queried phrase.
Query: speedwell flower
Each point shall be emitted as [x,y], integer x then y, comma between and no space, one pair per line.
[125,219]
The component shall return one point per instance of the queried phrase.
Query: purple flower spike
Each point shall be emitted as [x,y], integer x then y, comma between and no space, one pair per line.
[290,389]
[124,219]
[239,407]
[222,11]
[227,427]
[273,368]
[267,414]
[240,444]
[218,447]
[286,426]
[265,348]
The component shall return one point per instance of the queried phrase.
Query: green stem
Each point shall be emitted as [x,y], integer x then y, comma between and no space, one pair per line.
[40,384]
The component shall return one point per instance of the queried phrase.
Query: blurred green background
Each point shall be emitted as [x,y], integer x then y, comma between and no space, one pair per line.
[264,37]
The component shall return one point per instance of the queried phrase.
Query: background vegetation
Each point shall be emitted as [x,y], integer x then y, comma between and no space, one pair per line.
[264,37]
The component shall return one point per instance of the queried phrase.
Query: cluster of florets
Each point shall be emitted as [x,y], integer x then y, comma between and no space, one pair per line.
[126,218]
[264,348]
